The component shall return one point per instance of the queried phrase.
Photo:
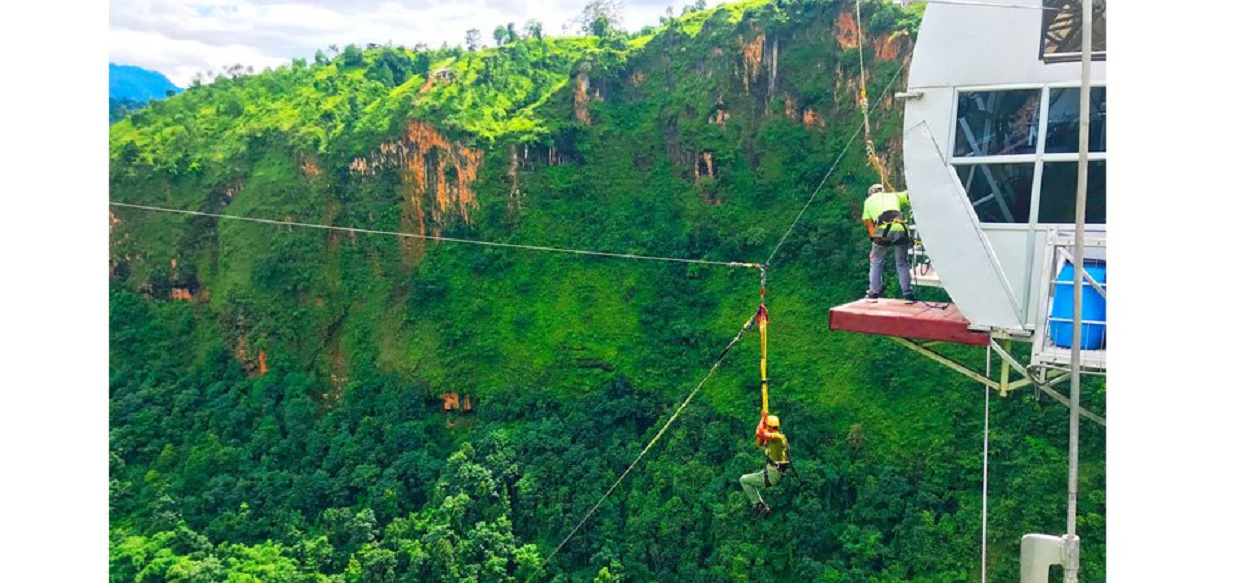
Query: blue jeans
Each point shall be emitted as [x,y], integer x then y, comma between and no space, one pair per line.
[876,256]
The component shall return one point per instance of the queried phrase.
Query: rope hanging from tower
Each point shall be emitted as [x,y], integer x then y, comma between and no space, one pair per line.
[870,151]
[985,468]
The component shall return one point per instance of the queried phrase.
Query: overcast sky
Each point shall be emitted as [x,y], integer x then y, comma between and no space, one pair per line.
[182,37]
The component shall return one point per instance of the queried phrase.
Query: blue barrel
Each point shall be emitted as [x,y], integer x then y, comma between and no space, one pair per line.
[1093,309]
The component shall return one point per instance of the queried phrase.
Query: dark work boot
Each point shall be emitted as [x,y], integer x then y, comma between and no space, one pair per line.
[758,508]
[871,297]
[909,298]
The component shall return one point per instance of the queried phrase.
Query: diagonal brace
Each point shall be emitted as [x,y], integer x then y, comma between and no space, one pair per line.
[1045,387]
[947,362]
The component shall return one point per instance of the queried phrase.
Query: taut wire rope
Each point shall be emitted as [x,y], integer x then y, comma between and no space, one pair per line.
[657,437]
[985,467]
[905,4]
[434,237]
[834,166]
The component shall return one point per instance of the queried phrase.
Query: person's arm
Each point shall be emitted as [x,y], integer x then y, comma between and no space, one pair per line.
[869,225]
[903,199]
[762,432]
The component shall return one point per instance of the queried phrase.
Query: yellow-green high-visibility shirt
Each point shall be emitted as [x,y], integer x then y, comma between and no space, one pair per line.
[776,449]
[880,202]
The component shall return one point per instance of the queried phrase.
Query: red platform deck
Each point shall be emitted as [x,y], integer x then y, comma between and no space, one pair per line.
[895,318]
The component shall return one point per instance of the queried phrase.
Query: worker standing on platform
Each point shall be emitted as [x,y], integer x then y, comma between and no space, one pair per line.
[884,217]
[777,462]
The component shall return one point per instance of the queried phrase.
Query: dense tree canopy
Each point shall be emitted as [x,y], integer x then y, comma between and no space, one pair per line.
[278,396]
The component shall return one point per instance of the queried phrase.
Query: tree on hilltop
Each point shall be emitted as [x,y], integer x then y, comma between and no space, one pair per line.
[534,29]
[600,17]
[352,56]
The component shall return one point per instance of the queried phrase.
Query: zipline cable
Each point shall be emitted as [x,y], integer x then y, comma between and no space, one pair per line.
[634,256]
[846,147]
[435,237]
[644,451]
[905,3]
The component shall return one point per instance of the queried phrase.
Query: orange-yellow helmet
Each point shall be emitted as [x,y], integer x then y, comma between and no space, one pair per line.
[771,421]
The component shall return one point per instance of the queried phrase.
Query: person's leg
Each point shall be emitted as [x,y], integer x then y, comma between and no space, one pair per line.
[752,484]
[876,255]
[761,510]
[905,271]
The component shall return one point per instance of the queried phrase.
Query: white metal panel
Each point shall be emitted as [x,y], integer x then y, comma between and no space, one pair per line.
[964,258]
[1035,309]
[934,110]
[1011,247]
[995,279]
[1038,553]
[984,45]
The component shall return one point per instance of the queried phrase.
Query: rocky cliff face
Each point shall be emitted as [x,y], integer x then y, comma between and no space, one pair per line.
[437,176]
[725,119]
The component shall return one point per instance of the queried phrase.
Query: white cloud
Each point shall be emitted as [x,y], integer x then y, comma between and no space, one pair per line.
[182,37]
[180,60]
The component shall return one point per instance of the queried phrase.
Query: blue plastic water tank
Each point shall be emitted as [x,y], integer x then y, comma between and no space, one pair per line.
[1093,309]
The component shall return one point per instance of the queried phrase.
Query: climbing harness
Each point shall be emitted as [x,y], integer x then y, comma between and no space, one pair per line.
[765,474]
[780,467]
[891,230]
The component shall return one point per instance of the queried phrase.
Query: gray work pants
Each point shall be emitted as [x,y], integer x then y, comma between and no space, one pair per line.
[876,255]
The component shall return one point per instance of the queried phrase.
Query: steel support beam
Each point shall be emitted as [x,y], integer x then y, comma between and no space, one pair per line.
[1044,387]
[1005,375]
[947,362]
[1068,403]
[924,350]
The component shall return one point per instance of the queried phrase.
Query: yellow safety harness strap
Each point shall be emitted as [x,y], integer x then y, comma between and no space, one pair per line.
[763,326]
[762,321]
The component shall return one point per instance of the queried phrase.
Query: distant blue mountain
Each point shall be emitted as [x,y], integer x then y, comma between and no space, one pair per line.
[130,83]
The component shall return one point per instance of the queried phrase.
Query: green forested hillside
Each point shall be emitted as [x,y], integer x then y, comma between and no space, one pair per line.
[276,393]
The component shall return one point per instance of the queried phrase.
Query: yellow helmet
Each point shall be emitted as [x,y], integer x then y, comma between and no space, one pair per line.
[771,421]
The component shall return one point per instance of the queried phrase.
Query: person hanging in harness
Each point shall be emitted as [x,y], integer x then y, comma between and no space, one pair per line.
[884,217]
[777,462]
